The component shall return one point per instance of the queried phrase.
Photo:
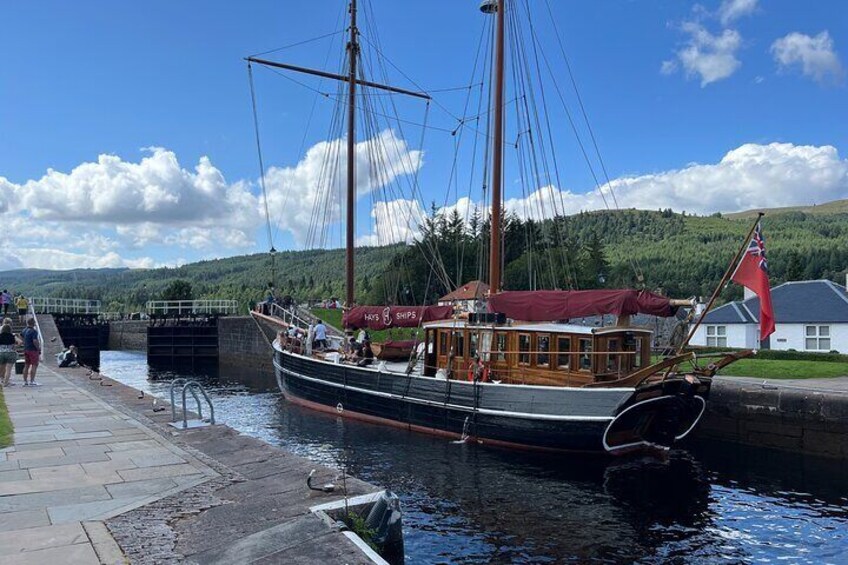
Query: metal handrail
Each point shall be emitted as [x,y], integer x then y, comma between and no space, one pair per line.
[45,305]
[191,385]
[174,383]
[192,307]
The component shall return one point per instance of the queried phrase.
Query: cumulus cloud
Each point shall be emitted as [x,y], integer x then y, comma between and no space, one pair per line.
[710,57]
[750,176]
[310,194]
[732,10]
[394,221]
[816,56]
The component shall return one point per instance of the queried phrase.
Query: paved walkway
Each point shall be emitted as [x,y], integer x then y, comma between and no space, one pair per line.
[75,462]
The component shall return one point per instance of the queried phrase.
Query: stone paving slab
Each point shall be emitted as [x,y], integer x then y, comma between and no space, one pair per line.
[61,479]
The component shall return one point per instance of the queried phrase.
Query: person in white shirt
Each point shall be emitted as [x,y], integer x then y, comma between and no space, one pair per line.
[320,336]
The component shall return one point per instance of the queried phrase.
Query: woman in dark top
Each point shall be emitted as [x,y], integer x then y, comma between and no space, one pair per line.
[8,355]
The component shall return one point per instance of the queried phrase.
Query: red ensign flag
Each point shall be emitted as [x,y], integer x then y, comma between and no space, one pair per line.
[752,273]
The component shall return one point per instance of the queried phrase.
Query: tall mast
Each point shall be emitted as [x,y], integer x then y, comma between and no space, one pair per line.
[497,153]
[353,51]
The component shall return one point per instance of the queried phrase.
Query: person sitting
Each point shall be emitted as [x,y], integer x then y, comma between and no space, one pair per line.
[68,358]
[366,357]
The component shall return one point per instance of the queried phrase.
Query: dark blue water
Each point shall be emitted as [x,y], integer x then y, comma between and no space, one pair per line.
[708,503]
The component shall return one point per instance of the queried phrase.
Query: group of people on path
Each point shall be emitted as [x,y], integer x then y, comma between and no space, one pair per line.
[7,302]
[9,356]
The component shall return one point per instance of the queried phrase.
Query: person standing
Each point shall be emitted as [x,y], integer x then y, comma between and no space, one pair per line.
[32,351]
[6,300]
[320,336]
[22,305]
[8,355]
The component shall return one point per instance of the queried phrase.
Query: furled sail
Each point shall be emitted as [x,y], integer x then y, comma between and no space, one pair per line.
[384,317]
[551,305]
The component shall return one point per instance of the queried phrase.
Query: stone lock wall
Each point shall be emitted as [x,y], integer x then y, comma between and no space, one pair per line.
[242,347]
[128,335]
[801,420]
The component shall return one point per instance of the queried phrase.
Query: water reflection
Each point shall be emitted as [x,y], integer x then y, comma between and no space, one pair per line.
[711,502]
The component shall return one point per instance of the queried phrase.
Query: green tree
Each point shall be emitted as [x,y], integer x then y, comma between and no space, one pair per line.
[178,289]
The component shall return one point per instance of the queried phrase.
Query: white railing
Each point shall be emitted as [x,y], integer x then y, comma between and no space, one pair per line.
[180,307]
[64,305]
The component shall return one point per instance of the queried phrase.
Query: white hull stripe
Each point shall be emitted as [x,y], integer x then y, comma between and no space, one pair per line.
[486,411]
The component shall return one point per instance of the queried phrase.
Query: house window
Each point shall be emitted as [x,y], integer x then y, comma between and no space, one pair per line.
[523,349]
[817,338]
[563,352]
[543,348]
[716,336]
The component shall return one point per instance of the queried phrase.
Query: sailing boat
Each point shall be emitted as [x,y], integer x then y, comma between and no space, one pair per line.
[511,375]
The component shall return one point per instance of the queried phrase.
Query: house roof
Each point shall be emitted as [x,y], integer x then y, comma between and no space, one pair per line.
[473,290]
[794,302]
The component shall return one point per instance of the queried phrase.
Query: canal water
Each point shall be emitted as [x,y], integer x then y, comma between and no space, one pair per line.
[708,503]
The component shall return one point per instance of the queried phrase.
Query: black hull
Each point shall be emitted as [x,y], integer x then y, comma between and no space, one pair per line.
[491,414]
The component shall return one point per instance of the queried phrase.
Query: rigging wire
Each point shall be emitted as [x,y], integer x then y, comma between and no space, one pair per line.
[304,42]
[261,163]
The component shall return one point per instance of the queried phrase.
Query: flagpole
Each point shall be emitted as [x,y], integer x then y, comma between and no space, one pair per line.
[727,274]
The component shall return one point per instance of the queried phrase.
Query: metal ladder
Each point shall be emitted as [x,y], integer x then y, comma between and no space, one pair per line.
[193,387]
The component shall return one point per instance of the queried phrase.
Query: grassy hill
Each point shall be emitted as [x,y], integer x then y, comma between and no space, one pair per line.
[835,207]
[684,255]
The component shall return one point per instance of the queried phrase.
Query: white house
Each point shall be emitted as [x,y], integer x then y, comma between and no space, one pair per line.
[809,316]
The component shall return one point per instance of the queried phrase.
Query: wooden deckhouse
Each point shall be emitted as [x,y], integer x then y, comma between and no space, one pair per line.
[535,354]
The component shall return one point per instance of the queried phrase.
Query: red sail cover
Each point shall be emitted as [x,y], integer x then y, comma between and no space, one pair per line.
[551,305]
[383,317]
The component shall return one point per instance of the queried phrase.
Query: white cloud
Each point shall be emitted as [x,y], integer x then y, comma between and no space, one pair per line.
[750,176]
[732,10]
[297,194]
[394,221]
[710,57]
[815,55]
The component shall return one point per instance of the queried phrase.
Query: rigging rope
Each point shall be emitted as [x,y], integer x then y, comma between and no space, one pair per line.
[261,163]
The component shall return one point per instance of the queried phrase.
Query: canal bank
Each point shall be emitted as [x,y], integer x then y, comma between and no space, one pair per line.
[99,475]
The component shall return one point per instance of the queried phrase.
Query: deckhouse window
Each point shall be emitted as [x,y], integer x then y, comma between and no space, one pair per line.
[585,354]
[543,348]
[472,344]
[443,343]
[817,338]
[459,344]
[563,352]
[500,346]
[637,359]
[523,349]
[613,359]
[716,336]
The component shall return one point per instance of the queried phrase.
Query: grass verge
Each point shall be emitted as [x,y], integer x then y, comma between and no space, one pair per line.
[779,369]
[5,424]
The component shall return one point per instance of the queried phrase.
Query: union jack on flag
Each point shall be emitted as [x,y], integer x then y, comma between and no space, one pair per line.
[757,248]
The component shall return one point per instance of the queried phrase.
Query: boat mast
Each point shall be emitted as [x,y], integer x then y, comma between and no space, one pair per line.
[497,148]
[353,52]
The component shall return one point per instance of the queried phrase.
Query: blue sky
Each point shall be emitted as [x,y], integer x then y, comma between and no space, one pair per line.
[721,105]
